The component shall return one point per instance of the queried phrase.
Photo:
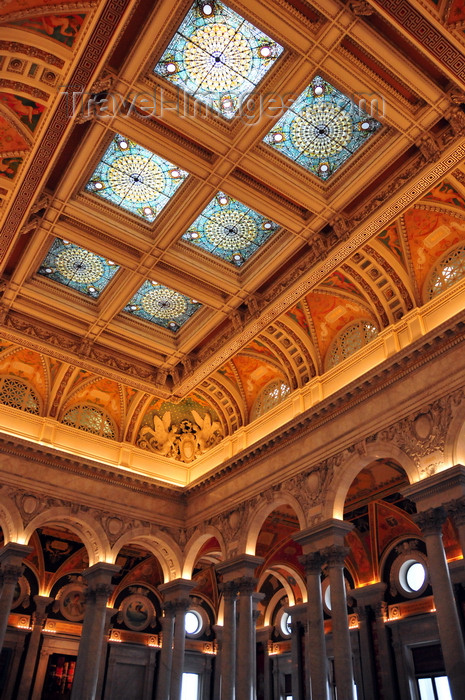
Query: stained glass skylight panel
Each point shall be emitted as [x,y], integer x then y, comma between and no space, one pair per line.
[135,179]
[322,129]
[78,268]
[230,230]
[161,305]
[217,56]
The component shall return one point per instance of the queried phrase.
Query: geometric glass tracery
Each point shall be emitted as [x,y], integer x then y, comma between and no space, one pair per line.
[449,270]
[322,129]
[78,268]
[161,305]
[230,230]
[217,56]
[348,341]
[91,420]
[272,394]
[17,394]
[134,178]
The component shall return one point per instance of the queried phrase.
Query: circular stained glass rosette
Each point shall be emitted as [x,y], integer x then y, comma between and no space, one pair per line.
[230,230]
[219,59]
[322,129]
[77,267]
[164,303]
[162,306]
[135,179]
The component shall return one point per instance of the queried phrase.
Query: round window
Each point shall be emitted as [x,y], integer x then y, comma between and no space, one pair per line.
[285,624]
[193,622]
[412,575]
[328,597]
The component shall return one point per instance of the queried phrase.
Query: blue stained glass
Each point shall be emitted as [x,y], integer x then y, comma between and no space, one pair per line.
[78,268]
[135,179]
[161,305]
[217,56]
[230,230]
[321,129]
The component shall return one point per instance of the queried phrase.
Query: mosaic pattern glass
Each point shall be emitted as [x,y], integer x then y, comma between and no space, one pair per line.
[91,420]
[14,393]
[230,230]
[322,129]
[270,396]
[135,179]
[350,340]
[449,270]
[218,57]
[161,305]
[78,268]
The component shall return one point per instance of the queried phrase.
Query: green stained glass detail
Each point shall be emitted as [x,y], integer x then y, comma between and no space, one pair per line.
[161,305]
[217,56]
[230,230]
[322,129]
[78,268]
[135,179]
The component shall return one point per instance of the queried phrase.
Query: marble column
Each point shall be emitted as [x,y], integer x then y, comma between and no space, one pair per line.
[455,509]
[238,573]
[228,641]
[38,618]
[218,630]
[110,612]
[263,637]
[166,653]
[335,556]
[98,591]
[316,666]
[176,593]
[297,612]
[450,633]
[11,558]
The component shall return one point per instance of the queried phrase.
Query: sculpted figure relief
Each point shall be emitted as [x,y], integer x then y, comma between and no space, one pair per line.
[183,442]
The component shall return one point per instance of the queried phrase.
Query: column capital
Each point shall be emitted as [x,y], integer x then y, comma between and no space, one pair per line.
[100,573]
[431,521]
[312,563]
[298,613]
[369,595]
[14,553]
[325,534]
[335,555]
[246,585]
[242,565]
[455,509]
[11,573]
[229,589]
[99,592]
[177,590]
[39,615]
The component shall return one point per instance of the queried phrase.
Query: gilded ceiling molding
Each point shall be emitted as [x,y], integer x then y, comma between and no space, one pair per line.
[109,19]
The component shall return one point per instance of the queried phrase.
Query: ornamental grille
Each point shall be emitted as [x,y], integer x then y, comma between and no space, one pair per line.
[17,394]
[270,396]
[449,270]
[350,340]
[91,420]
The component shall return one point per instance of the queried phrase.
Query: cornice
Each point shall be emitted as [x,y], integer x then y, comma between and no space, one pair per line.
[417,355]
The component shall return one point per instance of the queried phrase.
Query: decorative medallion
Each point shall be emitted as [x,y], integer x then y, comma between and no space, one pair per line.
[217,56]
[322,129]
[230,230]
[135,179]
[137,612]
[161,305]
[78,268]
[71,602]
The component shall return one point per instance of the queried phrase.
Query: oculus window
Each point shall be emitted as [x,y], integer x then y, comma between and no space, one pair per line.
[322,129]
[229,230]
[77,268]
[218,57]
[135,179]
[161,305]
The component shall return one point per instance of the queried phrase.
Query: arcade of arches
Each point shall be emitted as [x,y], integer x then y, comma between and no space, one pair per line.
[232,349]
